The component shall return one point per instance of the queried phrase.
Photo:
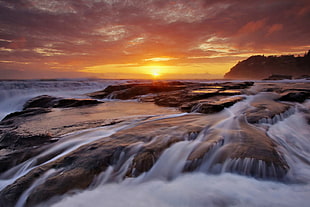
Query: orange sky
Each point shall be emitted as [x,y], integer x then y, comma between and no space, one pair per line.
[183,39]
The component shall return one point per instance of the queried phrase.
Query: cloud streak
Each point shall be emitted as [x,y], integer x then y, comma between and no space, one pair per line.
[71,35]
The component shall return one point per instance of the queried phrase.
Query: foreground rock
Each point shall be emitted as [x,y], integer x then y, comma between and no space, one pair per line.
[133,136]
[146,142]
[27,133]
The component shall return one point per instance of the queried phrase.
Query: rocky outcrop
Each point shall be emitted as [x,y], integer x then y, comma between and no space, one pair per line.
[260,67]
[43,101]
[208,107]
[20,142]
[132,91]
[24,113]
[46,101]
[295,96]
[187,96]
[222,141]
[44,104]
[279,77]
[145,143]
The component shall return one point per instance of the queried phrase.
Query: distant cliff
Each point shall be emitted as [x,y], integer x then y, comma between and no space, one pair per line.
[259,67]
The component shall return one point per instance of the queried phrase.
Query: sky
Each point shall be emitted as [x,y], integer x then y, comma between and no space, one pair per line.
[182,39]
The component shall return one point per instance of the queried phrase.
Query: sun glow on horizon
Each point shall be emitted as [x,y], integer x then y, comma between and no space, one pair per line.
[158,71]
[155,71]
[155,74]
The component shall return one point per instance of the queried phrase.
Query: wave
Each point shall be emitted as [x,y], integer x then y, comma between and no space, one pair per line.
[13,94]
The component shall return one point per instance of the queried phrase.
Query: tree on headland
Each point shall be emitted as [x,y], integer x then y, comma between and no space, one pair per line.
[259,67]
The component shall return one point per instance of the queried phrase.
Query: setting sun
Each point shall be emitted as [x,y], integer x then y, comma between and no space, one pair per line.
[155,74]
[155,70]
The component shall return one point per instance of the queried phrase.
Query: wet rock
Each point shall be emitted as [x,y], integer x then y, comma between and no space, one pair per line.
[172,94]
[215,106]
[266,109]
[13,140]
[131,91]
[144,143]
[237,85]
[66,103]
[242,149]
[295,96]
[13,157]
[43,101]
[307,77]
[78,169]
[225,143]
[279,77]
[25,113]
[143,162]
[172,99]
[44,104]
[20,147]
[110,89]
[188,99]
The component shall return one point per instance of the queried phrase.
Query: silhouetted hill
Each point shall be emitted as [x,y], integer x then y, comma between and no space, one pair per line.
[259,67]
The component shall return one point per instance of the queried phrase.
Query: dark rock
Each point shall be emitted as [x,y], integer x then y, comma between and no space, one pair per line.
[43,101]
[53,102]
[13,140]
[131,91]
[307,77]
[108,90]
[173,94]
[65,103]
[17,148]
[215,106]
[241,85]
[12,157]
[24,113]
[297,96]
[278,77]
[143,162]
[186,99]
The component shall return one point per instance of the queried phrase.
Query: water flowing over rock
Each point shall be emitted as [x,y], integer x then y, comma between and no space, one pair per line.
[227,128]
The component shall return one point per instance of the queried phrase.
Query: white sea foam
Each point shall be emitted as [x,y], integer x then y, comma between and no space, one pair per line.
[14,94]
[196,189]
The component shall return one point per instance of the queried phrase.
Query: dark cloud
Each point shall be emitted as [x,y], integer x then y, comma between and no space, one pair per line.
[74,34]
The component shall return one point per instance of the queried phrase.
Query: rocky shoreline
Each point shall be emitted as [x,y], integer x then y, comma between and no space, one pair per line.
[140,140]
